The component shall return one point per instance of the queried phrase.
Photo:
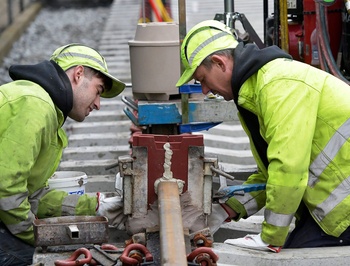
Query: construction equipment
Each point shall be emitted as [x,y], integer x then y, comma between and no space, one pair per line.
[315,32]
[167,183]
[311,31]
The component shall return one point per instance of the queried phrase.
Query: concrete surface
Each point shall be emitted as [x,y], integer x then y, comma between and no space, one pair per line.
[231,255]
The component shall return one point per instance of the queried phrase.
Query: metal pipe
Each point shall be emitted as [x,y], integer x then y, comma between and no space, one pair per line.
[143,11]
[220,172]
[182,35]
[171,233]
[276,23]
[229,6]
[182,23]
[284,25]
[325,53]
[266,14]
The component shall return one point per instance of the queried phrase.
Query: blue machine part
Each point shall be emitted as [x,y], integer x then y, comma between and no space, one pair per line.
[202,115]
[229,191]
[190,88]
[195,127]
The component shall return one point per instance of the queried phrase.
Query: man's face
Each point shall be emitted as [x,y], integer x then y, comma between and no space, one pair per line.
[217,79]
[86,97]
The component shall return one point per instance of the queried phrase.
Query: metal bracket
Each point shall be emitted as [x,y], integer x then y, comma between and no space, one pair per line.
[125,169]
[246,26]
[207,183]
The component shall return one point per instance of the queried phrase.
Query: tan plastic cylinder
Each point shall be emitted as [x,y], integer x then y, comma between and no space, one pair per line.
[155,60]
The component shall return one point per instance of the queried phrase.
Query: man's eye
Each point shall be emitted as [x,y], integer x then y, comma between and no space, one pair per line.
[100,90]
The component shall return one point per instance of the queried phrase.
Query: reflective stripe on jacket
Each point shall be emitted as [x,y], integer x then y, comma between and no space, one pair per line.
[31,144]
[304,117]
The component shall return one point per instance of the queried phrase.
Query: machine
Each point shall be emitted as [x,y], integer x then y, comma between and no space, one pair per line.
[315,32]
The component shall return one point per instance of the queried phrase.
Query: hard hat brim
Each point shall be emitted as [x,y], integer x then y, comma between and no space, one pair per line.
[117,87]
[186,76]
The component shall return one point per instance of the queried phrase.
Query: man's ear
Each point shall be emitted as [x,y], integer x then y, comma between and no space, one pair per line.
[219,61]
[77,74]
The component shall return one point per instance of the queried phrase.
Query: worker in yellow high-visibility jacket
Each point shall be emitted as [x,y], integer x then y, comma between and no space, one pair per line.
[33,109]
[298,120]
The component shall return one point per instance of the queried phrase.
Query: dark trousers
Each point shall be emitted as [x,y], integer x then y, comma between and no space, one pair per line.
[13,251]
[307,234]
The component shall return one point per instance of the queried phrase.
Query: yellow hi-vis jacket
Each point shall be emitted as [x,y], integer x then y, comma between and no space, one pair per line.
[31,144]
[304,117]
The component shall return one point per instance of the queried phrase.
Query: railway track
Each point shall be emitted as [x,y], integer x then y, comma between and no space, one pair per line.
[96,144]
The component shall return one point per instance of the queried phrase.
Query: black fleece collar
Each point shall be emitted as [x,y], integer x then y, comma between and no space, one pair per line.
[52,78]
[248,60]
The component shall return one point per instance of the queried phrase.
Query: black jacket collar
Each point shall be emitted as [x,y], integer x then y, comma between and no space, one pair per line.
[52,78]
[248,60]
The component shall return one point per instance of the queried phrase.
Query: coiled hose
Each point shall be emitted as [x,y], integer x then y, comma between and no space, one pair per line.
[327,60]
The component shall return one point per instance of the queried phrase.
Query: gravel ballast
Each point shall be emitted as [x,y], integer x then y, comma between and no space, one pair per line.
[53,28]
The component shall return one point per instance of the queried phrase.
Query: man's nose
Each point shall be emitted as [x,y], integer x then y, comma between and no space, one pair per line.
[97,103]
[205,89]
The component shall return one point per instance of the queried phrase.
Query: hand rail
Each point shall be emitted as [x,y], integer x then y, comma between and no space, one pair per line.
[10,9]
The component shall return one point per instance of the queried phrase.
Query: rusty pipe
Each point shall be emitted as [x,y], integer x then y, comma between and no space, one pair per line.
[172,240]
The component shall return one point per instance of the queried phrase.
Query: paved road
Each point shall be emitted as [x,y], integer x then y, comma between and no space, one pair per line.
[97,143]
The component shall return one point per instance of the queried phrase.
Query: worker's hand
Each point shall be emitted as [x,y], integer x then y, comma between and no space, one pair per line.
[112,208]
[253,242]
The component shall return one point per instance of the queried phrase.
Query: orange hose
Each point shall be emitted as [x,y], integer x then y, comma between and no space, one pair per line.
[155,10]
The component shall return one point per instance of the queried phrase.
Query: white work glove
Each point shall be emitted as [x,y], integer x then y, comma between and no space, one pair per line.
[217,217]
[252,242]
[112,208]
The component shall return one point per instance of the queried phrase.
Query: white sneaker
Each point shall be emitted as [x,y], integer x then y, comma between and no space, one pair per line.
[252,242]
